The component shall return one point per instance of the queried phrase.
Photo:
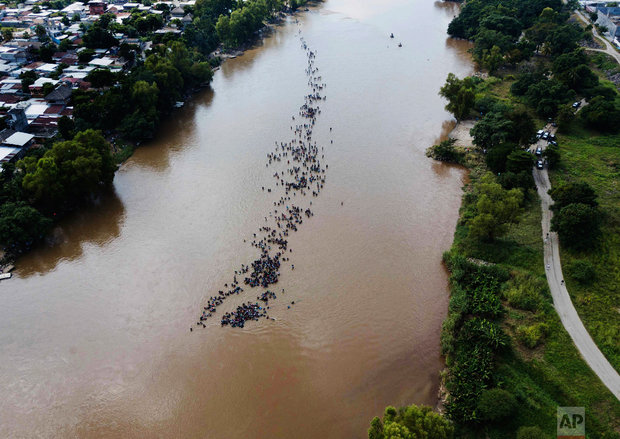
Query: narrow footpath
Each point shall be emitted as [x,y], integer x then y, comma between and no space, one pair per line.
[561,299]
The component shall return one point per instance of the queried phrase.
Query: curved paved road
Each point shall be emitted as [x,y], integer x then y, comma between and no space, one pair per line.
[609,49]
[561,299]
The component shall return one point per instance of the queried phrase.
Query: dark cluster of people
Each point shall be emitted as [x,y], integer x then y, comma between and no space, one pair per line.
[243,313]
[304,175]
[266,296]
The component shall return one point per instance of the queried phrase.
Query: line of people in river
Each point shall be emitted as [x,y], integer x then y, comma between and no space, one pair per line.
[305,175]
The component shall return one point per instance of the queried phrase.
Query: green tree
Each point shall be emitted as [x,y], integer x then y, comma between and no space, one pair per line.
[7,34]
[518,161]
[21,225]
[411,422]
[552,155]
[86,55]
[582,271]
[47,88]
[574,192]
[601,114]
[101,78]
[493,59]
[28,78]
[460,95]
[69,171]
[496,157]
[578,225]
[66,127]
[523,126]
[523,180]
[494,128]
[98,36]
[446,152]
[495,209]
[565,118]
[41,33]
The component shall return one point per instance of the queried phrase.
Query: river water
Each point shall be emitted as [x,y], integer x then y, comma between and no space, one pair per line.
[94,329]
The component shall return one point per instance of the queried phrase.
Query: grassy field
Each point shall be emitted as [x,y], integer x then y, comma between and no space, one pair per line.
[550,372]
[595,159]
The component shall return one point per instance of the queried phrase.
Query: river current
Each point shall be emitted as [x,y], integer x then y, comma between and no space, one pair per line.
[94,327]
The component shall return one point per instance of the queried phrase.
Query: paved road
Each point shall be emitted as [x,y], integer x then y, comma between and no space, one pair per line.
[561,299]
[609,49]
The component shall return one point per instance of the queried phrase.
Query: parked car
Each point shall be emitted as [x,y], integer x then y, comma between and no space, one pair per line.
[545,135]
[539,151]
[553,142]
[539,164]
[539,133]
[551,137]
[577,104]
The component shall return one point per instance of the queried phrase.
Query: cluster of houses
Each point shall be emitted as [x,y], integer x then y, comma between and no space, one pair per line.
[31,116]
[608,14]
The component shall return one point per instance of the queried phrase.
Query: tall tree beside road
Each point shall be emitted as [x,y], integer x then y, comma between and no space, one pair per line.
[578,226]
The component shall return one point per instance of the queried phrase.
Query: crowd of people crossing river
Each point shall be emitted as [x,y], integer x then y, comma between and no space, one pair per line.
[304,176]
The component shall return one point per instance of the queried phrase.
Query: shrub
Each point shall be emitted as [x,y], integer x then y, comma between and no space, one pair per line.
[532,336]
[530,433]
[581,271]
[496,404]
[446,152]
[524,292]
[410,422]
[523,298]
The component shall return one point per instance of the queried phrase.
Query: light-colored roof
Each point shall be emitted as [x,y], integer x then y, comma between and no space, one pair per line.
[40,81]
[35,110]
[48,67]
[7,152]
[74,7]
[19,139]
[101,62]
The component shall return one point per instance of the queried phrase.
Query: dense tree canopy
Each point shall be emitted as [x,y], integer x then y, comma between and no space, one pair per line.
[69,171]
[570,193]
[21,225]
[602,114]
[578,225]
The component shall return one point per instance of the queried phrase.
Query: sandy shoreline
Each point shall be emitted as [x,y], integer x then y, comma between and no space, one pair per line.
[460,133]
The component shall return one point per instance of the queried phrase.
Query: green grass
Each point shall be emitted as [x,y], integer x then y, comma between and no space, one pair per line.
[552,374]
[595,159]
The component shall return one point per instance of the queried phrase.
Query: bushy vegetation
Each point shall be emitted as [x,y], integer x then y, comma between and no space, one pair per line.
[411,422]
[591,273]
[445,151]
[533,370]
[533,359]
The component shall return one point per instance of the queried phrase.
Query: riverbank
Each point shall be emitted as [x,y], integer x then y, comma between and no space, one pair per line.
[24,232]
[539,366]
[367,284]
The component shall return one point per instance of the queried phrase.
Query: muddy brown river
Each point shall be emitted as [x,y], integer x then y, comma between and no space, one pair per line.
[94,328]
